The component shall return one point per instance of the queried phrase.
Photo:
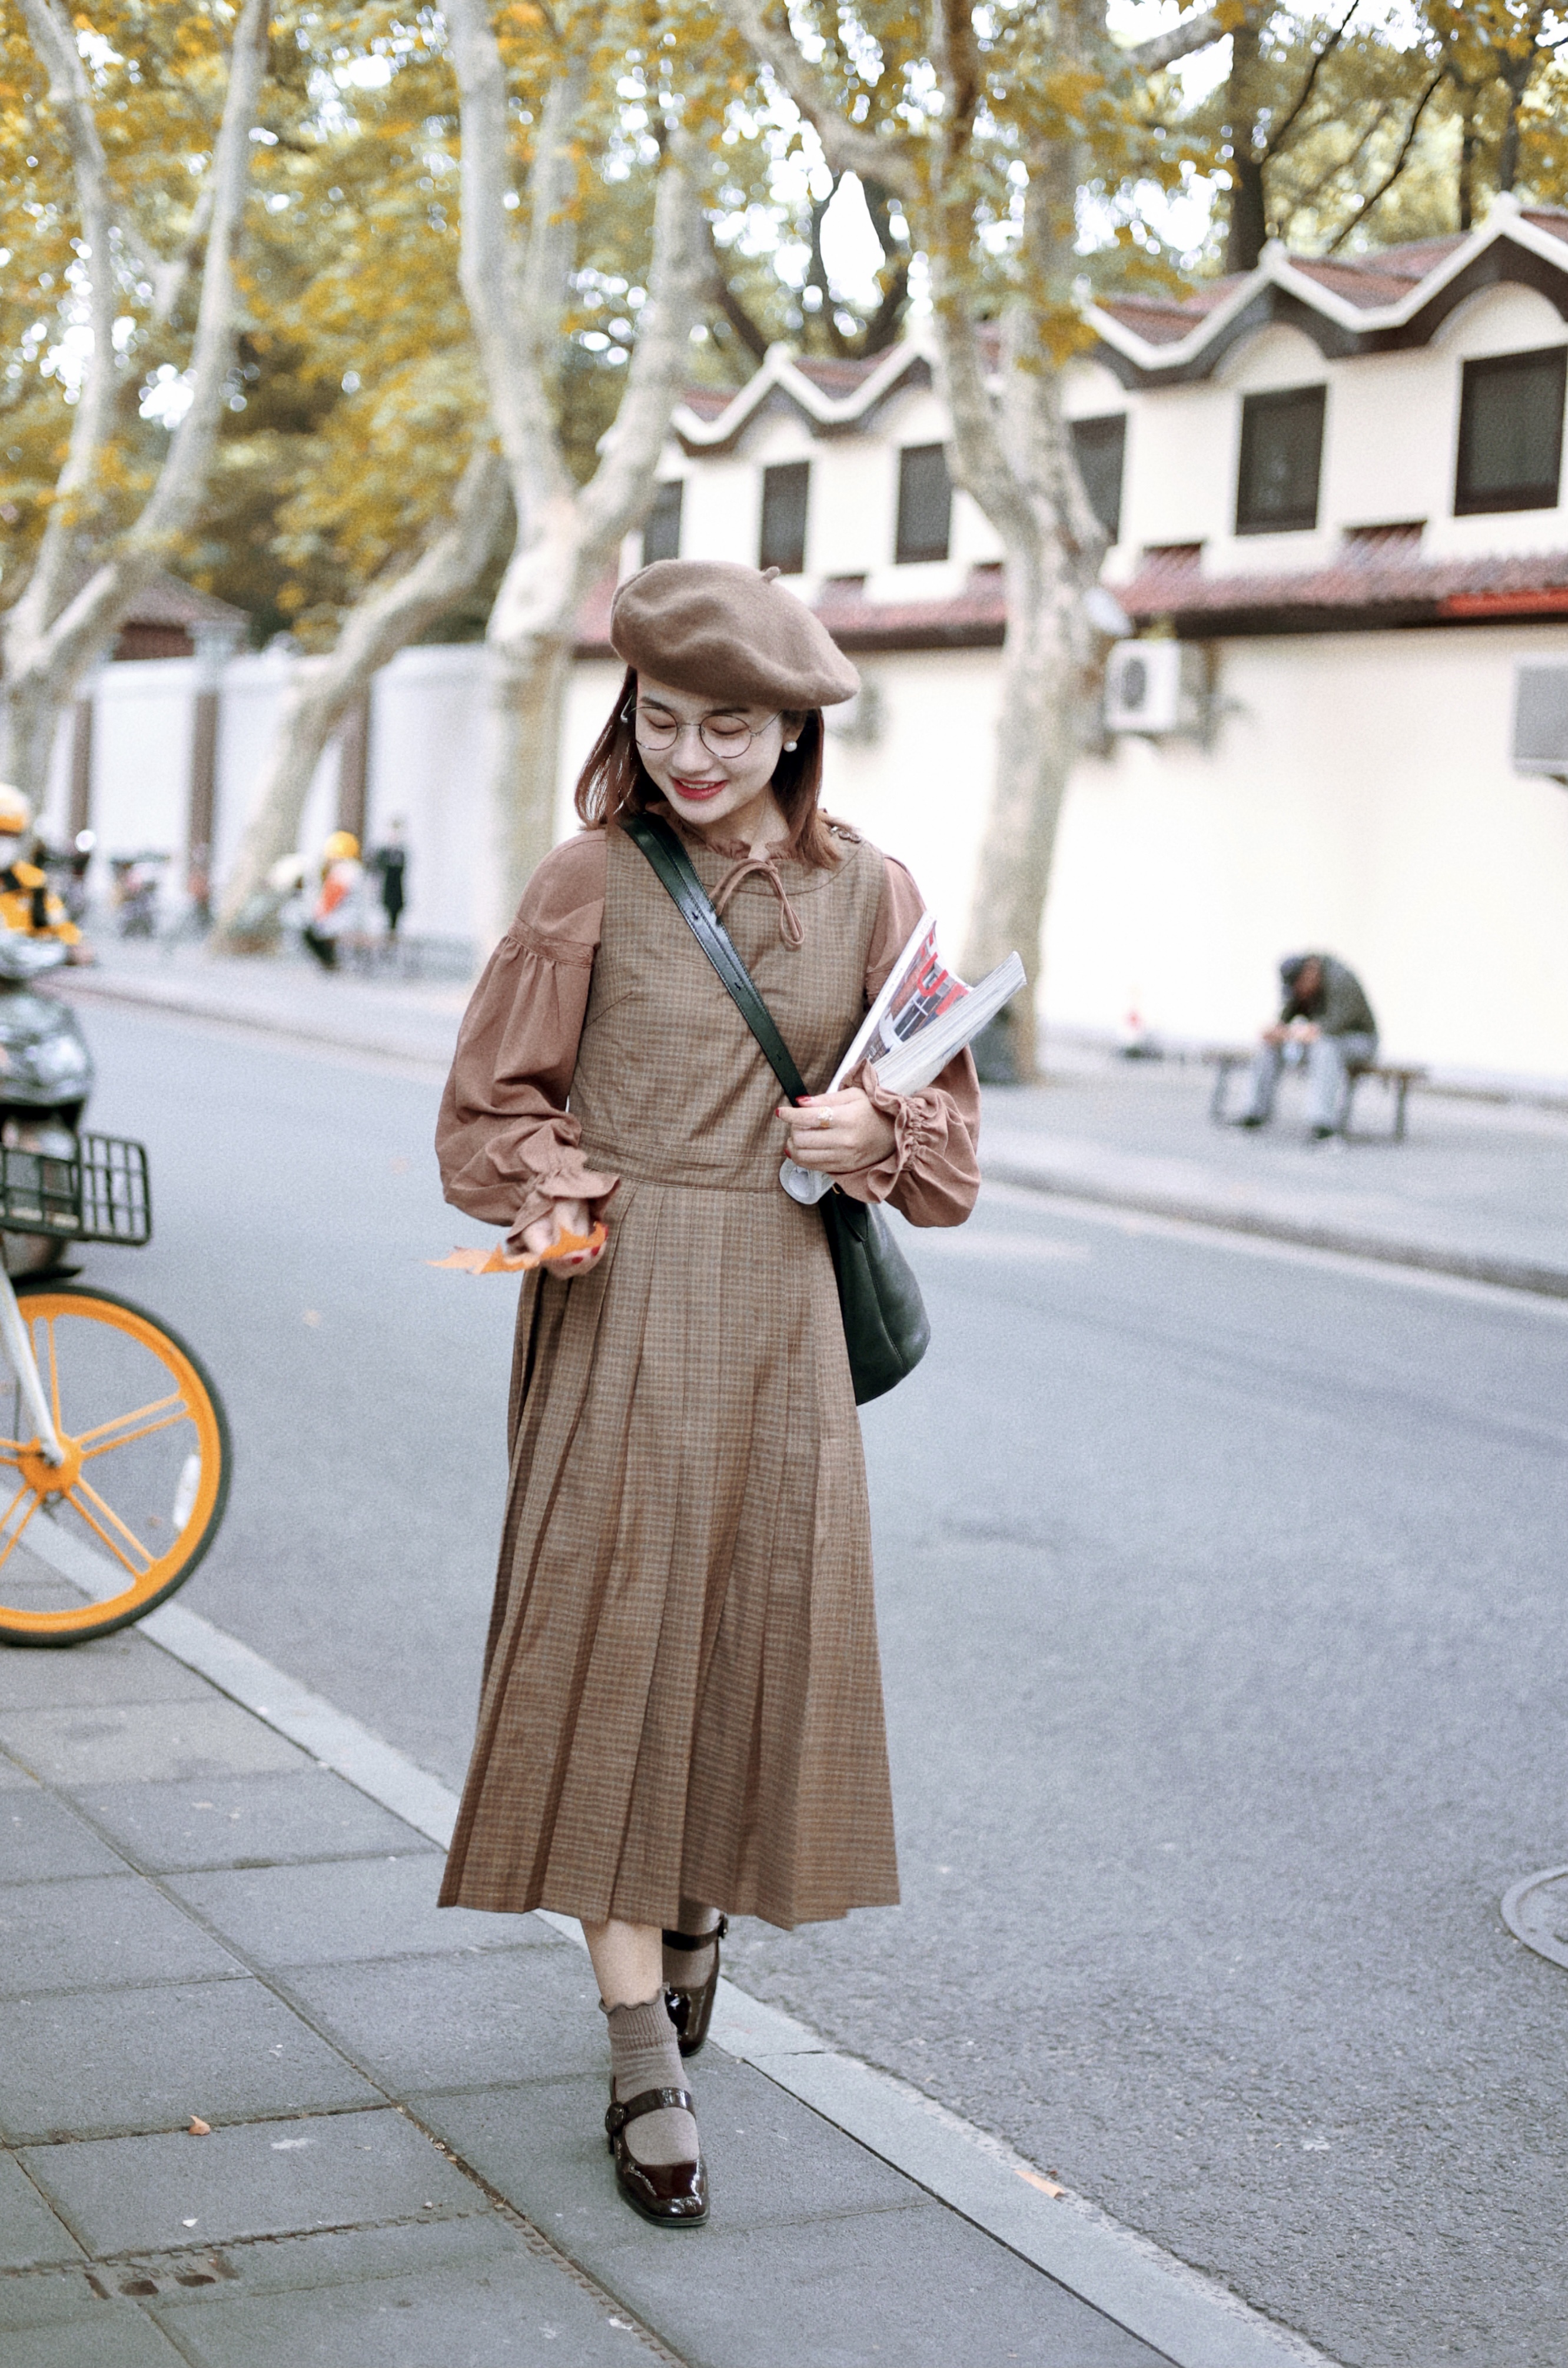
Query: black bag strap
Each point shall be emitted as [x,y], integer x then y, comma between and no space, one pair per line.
[674,866]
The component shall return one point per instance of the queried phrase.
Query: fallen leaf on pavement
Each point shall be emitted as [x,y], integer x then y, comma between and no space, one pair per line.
[1046,2186]
[198,2128]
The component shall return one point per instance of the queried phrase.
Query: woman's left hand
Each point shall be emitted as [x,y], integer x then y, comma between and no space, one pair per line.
[837,1133]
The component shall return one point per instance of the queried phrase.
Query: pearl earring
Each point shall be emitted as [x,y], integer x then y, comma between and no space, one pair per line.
[790,746]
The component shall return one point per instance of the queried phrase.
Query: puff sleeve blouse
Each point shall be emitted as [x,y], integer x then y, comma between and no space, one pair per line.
[506,1141]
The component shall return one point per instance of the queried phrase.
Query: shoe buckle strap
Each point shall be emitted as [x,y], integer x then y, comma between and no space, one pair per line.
[652,2101]
[689,1940]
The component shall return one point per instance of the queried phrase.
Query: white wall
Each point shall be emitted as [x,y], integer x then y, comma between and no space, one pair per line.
[426,767]
[1359,796]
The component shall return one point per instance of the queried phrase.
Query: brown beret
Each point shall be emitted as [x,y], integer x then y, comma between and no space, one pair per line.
[726,631]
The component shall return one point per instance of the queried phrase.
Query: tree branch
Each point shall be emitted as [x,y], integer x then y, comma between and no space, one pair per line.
[498,279]
[385,620]
[1392,176]
[1281,132]
[64,644]
[1194,33]
[622,485]
[55,43]
[752,336]
[883,156]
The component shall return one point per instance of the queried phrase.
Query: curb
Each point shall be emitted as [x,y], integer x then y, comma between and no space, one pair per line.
[1509,1274]
[1192,2320]
[135,995]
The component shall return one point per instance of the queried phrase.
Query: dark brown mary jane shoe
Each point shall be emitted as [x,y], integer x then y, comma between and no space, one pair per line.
[673,2194]
[691,2010]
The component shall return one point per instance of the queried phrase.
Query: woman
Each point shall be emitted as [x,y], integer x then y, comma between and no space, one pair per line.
[682,1704]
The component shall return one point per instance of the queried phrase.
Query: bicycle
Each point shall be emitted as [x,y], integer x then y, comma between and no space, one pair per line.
[106,1404]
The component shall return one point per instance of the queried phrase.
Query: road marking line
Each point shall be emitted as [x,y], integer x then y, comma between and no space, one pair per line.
[1192,2320]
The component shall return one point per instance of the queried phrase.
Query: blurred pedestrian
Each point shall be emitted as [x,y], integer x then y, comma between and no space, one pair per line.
[27,903]
[391,862]
[1325,1020]
[682,1709]
[337,913]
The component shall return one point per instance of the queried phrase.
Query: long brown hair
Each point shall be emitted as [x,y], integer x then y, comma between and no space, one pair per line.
[615,781]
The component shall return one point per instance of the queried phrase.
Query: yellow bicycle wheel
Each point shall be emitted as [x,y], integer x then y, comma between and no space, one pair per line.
[88,1546]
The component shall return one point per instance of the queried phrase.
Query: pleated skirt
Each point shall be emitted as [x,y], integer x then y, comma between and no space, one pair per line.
[682,1695]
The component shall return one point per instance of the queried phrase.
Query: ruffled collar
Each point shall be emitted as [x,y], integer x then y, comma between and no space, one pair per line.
[744,865]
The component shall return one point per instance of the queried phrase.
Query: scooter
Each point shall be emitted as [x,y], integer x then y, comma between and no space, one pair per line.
[46,1075]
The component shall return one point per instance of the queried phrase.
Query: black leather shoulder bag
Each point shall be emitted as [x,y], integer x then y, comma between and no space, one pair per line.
[886,1329]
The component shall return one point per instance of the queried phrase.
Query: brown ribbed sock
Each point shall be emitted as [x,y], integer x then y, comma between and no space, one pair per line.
[643,2055]
[688,1969]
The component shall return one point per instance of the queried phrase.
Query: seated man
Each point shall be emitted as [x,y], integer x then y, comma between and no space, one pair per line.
[1325,1009]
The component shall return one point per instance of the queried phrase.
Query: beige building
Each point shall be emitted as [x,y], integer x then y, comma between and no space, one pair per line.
[1338,487]
[1335,494]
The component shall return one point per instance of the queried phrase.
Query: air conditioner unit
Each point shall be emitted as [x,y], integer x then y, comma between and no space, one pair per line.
[1541,721]
[1160,688]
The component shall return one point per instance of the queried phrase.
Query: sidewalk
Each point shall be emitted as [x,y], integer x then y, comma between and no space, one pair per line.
[1478,1189]
[201,1917]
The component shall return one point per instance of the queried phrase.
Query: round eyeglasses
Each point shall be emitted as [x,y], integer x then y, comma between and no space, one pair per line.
[720,735]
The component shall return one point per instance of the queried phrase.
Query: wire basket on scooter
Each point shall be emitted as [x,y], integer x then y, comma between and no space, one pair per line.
[100,1196]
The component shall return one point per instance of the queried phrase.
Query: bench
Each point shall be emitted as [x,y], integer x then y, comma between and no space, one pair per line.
[1395,1077]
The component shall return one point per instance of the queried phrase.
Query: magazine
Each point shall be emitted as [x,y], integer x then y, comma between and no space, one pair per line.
[924,1015]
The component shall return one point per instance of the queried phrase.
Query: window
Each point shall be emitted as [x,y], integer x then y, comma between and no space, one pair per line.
[661,536]
[1277,486]
[1511,433]
[1099,445]
[784,495]
[924,503]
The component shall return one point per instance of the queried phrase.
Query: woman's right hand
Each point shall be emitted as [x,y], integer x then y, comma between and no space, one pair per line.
[566,1217]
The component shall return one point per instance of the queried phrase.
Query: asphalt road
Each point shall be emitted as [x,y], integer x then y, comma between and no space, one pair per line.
[1222,1599]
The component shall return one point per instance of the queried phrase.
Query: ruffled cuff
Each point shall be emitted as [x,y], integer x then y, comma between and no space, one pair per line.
[919,1121]
[568,1180]
[932,1173]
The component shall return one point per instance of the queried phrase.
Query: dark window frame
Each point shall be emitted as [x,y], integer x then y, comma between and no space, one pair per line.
[1543,493]
[785,519]
[1257,410]
[669,504]
[1108,428]
[912,549]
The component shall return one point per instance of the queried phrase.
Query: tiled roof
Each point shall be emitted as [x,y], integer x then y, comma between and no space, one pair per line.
[1378,578]
[976,616]
[593,618]
[167,601]
[1375,302]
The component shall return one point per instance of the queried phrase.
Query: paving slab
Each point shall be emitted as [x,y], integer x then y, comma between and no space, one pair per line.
[41,1841]
[771,2159]
[29,2231]
[334,1914]
[48,2297]
[123,1668]
[463,2022]
[251,1821]
[122,2337]
[12,1777]
[261,2179]
[103,2064]
[101,1931]
[915,2289]
[172,1740]
[514,2311]
[336,2257]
